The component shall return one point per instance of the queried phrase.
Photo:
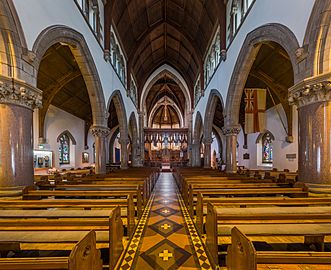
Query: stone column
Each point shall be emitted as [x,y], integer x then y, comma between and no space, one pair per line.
[17,101]
[313,99]
[207,155]
[231,133]
[142,137]
[136,162]
[124,152]
[196,160]
[100,134]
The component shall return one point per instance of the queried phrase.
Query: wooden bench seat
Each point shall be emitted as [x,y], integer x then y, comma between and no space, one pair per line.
[269,191]
[201,205]
[243,256]
[30,193]
[127,206]
[218,217]
[83,255]
[33,222]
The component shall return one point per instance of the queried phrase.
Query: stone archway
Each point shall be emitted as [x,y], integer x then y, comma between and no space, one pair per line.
[117,99]
[197,137]
[214,98]
[79,48]
[277,33]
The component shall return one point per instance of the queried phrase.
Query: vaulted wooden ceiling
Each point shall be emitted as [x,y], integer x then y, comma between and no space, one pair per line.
[154,32]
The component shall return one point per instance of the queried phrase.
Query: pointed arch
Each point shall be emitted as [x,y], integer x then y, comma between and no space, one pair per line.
[198,128]
[133,128]
[117,98]
[214,97]
[67,133]
[274,32]
[79,48]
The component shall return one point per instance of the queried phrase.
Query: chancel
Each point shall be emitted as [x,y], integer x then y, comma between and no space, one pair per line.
[165,134]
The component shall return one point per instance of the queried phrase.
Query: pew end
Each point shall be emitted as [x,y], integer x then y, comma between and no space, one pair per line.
[84,255]
[211,232]
[241,252]
[116,234]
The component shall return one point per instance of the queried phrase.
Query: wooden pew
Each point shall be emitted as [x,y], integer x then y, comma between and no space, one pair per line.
[83,255]
[35,228]
[209,187]
[243,256]
[246,192]
[31,193]
[128,215]
[219,220]
[201,206]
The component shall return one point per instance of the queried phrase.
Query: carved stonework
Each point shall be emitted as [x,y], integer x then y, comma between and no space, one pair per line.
[312,90]
[231,130]
[223,55]
[13,91]
[102,132]
[124,141]
[207,141]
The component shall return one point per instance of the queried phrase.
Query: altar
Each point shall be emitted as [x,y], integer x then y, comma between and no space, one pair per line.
[166,145]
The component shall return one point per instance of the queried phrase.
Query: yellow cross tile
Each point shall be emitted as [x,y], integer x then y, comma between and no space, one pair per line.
[165,255]
[166,226]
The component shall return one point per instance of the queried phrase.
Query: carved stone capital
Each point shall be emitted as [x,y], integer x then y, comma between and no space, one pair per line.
[17,92]
[223,55]
[207,141]
[106,55]
[231,130]
[124,141]
[102,132]
[311,90]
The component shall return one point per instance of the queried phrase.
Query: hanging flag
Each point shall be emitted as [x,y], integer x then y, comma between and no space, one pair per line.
[255,106]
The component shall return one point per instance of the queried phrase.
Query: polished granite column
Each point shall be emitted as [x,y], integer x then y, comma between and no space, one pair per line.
[100,134]
[231,133]
[313,99]
[124,152]
[17,101]
[207,155]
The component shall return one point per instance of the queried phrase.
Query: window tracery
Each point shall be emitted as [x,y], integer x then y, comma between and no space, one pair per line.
[267,153]
[64,149]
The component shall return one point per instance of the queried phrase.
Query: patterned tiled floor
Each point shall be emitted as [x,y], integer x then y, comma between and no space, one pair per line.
[165,237]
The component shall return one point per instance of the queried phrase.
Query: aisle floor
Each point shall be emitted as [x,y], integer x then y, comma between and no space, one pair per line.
[165,234]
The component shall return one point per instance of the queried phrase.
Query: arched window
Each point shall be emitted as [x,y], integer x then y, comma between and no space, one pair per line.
[64,149]
[267,154]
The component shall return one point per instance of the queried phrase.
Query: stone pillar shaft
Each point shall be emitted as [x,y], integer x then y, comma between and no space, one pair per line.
[17,101]
[313,99]
[142,138]
[124,152]
[231,133]
[207,154]
[100,134]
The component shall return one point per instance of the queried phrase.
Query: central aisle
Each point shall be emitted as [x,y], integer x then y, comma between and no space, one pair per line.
[165,234]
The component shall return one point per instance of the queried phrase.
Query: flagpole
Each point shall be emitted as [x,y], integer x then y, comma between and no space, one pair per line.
[273,101]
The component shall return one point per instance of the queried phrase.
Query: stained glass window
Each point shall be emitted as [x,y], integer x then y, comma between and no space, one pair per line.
[267,148]
[64,149]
